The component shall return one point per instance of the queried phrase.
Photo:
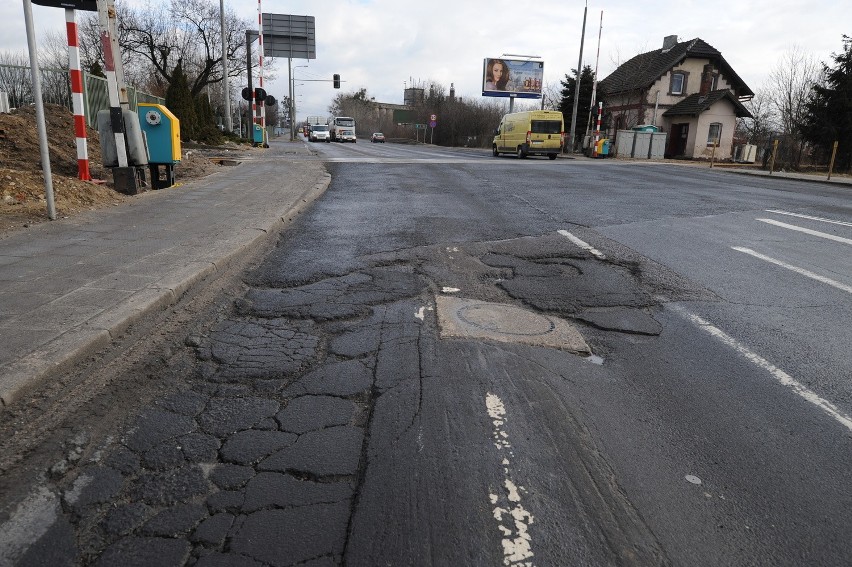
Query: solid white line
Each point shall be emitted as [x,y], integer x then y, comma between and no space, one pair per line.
[802,271]
[584,245]
[820,219]
[779,375]
[808,231]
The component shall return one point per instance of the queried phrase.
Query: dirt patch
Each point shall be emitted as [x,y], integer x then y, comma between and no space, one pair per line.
[22,187]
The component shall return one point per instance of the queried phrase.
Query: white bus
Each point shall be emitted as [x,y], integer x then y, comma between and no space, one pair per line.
[342,129]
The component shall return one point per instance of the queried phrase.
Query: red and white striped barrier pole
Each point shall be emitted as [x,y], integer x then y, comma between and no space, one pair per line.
[76,76]
[597,130]
[262,109]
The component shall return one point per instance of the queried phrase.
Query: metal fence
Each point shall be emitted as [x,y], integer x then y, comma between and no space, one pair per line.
[56,89]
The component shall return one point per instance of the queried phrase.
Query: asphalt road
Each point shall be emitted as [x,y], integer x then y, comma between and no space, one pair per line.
[744,386]
[456,359]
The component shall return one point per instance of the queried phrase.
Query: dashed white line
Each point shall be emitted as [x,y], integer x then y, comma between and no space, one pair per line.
[792,268]
[778,374]
[513,520]
[807,231]
[584,245]
[801,216]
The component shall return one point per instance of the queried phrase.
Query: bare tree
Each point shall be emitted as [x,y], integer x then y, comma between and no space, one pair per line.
[15,77]
[789,87]
[764,121]
[552,95]
[156,36]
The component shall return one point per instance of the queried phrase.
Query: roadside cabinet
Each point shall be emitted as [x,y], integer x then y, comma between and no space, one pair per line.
[162,134]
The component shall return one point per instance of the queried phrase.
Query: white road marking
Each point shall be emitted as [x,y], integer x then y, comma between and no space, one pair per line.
[802,271]
[584,245]
[801,216]
[513,520]
[399,161]
[782,377]
[450,290]
[420,313]
[807,231]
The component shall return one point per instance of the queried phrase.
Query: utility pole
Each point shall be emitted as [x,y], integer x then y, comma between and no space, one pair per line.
[291,105]
[595,82]
[229,125]
[249,123]
[577,86]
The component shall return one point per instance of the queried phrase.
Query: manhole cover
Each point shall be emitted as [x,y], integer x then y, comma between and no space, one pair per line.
[505,319]
[466,318]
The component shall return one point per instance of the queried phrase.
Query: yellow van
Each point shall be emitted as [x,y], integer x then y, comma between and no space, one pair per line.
[534,132]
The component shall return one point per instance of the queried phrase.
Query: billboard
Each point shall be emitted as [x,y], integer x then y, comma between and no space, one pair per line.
[512,77]
[285,35]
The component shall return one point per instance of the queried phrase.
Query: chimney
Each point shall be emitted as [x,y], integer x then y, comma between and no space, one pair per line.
[668,42]
[706,79]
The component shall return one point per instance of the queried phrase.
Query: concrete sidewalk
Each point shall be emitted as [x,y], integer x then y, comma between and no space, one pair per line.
[68,287]
[810,178]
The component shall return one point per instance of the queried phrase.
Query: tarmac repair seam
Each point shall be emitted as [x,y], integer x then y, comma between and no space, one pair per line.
[471,319]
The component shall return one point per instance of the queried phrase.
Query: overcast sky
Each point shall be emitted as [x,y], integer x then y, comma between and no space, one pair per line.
[382,45]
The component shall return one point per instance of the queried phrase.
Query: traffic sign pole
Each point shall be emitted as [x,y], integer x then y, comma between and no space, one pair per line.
[39,105]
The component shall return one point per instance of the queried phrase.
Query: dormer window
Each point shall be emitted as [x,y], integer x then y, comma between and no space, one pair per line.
[678,84]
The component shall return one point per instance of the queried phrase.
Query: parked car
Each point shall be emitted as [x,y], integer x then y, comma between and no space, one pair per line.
[319,133]
[377,137]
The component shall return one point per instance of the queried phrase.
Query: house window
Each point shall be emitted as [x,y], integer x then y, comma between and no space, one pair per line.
[714,134]
[715,84]
[678,83]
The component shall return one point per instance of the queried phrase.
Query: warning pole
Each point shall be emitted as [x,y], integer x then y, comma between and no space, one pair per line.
[262,109]
[597,130]
[106,11]
[76,76]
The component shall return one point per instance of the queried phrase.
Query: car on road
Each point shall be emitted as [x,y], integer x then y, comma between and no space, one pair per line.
[536,132]
[346,136]
[319,133]
[377,137]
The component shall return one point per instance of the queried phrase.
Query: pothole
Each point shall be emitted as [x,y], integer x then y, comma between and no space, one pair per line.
[471,319]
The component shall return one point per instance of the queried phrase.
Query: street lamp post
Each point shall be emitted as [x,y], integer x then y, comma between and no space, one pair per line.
[229,125]
[292,109]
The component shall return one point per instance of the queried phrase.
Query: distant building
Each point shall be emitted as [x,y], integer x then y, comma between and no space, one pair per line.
[687,89]
[414,96]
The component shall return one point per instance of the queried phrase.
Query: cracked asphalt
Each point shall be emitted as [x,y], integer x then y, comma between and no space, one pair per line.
[317,416]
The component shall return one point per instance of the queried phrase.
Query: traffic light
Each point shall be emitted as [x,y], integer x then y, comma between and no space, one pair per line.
[336,81]
[259,95]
